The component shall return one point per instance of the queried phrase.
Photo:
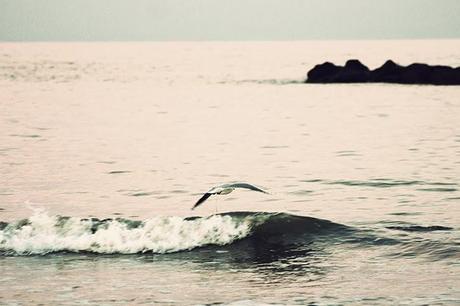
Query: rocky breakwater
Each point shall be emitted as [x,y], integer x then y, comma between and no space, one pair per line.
[390,72]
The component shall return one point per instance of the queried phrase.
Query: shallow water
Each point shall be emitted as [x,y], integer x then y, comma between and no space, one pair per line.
[125,137]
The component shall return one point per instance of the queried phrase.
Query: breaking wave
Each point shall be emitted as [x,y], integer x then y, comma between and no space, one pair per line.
[43,234]
[236,236]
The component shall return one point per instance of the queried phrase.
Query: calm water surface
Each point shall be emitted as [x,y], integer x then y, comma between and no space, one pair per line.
[105,147]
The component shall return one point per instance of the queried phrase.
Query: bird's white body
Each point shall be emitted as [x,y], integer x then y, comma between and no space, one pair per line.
[225,191]
[222,189]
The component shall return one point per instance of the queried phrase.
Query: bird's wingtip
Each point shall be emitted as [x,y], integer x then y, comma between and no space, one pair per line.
[202,199]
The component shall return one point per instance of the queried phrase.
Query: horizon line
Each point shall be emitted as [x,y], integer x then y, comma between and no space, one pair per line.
[228,41]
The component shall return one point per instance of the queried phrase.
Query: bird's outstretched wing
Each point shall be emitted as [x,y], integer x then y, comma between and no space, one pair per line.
[225,189]
[202,199]
[246,186]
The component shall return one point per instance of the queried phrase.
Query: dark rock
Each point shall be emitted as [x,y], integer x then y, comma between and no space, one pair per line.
[353,72]
[416,74]
[390,72]
[444,75]
[356,65]
[323,73]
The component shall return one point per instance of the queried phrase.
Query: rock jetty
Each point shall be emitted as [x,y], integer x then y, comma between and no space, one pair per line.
[390,72]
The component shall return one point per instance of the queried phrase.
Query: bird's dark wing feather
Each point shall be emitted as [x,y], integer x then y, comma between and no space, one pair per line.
[202,199]
[247,186]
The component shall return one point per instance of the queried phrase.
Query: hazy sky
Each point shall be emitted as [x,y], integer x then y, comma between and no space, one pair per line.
[227,20]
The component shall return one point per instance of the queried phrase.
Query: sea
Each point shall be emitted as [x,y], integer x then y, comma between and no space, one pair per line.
[106,146]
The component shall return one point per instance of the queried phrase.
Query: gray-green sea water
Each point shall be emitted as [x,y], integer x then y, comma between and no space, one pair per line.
[105,147]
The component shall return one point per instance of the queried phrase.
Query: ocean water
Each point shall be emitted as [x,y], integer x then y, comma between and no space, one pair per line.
[105,147]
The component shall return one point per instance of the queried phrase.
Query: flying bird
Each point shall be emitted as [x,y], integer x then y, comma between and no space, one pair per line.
[226,189]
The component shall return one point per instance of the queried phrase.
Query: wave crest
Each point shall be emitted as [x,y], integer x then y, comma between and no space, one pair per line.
[42,234]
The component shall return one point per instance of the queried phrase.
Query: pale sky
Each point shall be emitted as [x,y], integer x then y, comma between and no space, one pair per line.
[101,20]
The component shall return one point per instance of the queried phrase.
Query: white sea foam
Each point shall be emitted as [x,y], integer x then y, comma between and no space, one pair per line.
[44,234]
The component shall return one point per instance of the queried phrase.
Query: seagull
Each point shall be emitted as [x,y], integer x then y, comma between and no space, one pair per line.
[226,189]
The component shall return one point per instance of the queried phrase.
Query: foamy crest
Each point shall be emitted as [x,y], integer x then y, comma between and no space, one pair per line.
[42,234]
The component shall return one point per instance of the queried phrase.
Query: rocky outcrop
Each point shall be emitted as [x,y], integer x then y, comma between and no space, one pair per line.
[390,72]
